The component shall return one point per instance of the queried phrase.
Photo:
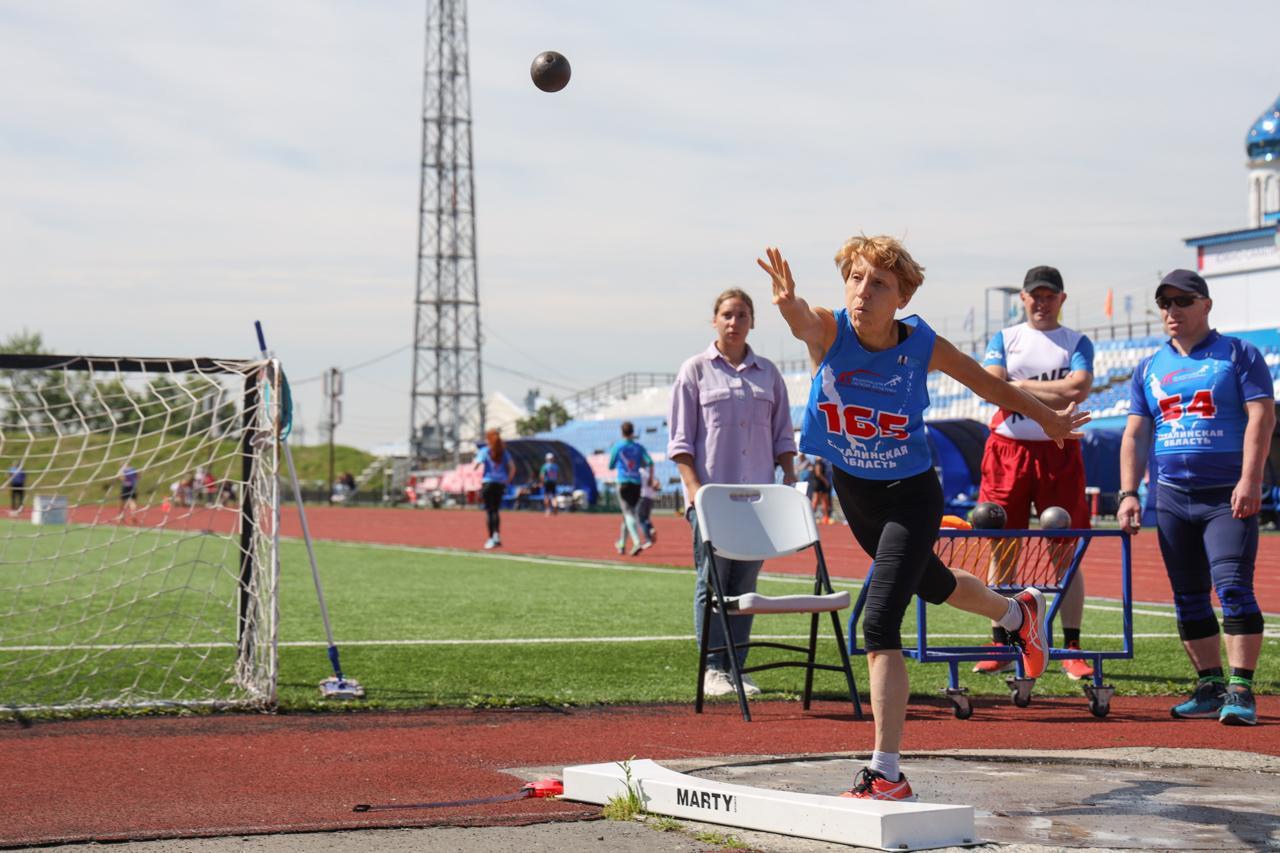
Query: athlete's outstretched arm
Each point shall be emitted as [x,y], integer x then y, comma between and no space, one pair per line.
[1057,425]
[815,326]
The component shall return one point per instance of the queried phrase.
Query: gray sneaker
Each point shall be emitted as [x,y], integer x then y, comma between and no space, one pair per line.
[749,686]
[715,682]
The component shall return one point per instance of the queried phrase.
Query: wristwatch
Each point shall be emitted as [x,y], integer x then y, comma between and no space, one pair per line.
[1121,495]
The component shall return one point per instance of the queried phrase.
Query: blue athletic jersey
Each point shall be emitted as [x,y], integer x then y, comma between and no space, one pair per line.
[494,472]
[17,477]
[550,471]
[129,477]
[628,457]
[866,409]
[1197,404]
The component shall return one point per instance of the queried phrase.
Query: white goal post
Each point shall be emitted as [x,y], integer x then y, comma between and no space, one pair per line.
[155,581]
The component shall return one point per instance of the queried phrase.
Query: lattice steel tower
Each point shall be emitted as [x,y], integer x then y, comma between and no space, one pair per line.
[447,408]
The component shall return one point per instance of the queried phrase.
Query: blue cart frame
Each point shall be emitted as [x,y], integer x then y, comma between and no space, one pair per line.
[1098,693]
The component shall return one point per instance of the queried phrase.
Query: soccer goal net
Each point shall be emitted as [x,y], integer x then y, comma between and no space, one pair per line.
[138,558]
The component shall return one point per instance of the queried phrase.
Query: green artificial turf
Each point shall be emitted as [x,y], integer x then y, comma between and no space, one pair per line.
[421,628]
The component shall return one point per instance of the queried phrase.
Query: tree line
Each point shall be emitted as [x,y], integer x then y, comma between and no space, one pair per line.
[55,402]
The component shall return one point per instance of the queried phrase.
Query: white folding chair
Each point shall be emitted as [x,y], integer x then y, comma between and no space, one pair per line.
[760,523]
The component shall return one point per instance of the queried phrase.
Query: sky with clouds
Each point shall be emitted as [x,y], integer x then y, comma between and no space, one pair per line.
[170,172]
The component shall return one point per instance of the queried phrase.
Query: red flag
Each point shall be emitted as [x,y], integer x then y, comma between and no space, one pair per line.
[1108,307]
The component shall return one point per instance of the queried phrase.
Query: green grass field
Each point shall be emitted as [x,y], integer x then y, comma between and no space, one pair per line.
[423,628]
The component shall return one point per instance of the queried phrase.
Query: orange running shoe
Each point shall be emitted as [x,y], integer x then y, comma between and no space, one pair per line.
[870,785]
[991,667]
[1076,668]
[1031,637]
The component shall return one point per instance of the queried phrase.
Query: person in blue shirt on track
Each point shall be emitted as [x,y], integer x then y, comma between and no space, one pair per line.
[128,493]
[17,488]
[866,416]
[499,471]
[1208,399]
[627,457]
[549,473]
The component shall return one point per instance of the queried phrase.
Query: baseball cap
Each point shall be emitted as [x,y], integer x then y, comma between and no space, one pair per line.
[1186,281]
[1043,277]
[550,456]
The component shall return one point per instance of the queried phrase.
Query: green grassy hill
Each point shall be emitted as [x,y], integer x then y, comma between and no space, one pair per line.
[312,461]
[86,468]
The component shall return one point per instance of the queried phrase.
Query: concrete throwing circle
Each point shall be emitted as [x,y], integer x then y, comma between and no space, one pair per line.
[1110,798]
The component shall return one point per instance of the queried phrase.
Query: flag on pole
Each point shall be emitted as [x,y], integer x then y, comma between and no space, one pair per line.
[1108,307]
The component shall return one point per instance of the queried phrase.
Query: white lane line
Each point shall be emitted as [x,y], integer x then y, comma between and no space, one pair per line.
[658,570]
[578,564]
[508,641]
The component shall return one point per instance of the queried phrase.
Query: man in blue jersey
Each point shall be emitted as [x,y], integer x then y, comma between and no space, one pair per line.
[627,457]
[1020,465]
[1208,399]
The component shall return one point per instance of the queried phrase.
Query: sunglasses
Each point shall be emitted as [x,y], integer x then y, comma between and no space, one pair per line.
[1163,302]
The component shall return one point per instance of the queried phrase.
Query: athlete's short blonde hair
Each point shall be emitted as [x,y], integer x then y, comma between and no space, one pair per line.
[883,252]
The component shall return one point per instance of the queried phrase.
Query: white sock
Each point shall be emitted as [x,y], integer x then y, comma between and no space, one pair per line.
[886,764]
[1012,619]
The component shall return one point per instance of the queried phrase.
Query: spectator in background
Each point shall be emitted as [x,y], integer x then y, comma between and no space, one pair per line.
[644,510]
[820,489]
[549,473]
[128,493]
[197,487]
[730,423]
[628,457]
[346,486]
[499,471]
[1210,402]
[17,488]
[1020,465]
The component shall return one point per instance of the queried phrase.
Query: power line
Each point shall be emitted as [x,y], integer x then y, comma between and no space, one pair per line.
[354,367]
[530,377]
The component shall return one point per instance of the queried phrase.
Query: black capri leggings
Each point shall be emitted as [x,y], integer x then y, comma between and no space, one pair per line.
[491,494]
[896,522]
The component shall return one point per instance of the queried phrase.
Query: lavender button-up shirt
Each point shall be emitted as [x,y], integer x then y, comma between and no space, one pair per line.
[734,421]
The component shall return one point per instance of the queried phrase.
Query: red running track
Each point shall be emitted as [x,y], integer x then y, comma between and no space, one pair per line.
[117,779]
[591,536]
[141,778]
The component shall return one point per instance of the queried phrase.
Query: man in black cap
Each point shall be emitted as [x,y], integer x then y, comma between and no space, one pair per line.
[1020,465]
[1208,399]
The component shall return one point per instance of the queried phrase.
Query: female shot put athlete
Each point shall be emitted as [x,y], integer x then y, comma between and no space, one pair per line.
[865,416]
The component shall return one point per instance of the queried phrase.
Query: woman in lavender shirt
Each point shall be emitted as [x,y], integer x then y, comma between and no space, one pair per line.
[730,423]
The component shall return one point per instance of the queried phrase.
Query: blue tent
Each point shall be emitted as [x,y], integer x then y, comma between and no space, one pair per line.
[530,453]
[956,446]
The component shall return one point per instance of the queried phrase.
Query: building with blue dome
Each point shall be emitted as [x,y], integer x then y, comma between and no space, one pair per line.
[1264,137]
[1263,148]
[1243,267]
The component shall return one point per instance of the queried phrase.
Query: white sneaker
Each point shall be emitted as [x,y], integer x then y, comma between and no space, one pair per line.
[715,682]
[497,540]
[489,543]
[749,686]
